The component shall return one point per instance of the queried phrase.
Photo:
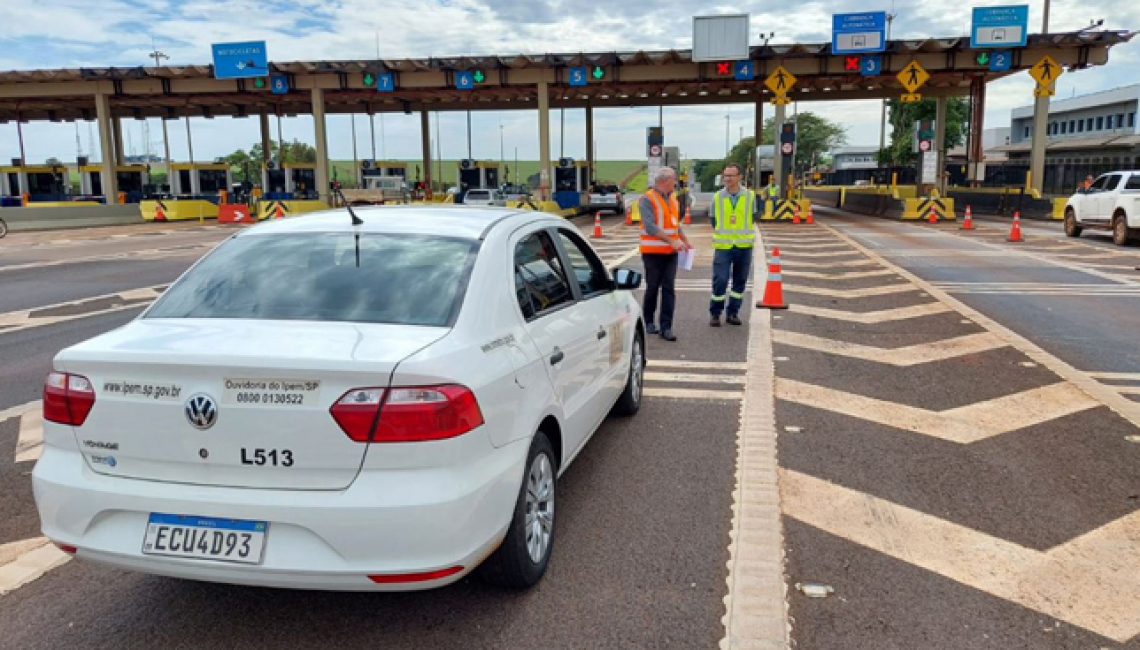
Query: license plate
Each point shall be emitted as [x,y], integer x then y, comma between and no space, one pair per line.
[205,538]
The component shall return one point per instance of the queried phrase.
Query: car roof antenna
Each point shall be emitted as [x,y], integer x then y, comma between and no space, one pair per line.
[356,221]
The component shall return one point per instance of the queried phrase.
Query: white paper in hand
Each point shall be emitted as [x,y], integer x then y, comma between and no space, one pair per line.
[685,261]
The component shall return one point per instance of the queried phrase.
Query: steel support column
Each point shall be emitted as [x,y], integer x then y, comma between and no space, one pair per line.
[756,176]
[940,106]
[425,142]
[977,125]
[322,144]
[544,141]
[117,135]
[777,157]
[590,141]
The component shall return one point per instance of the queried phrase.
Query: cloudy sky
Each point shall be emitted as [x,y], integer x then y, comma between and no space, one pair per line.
[96,33]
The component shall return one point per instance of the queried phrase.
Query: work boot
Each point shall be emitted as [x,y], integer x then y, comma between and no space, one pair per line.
[733,320]
[714,321]
[668,335]
[652,329]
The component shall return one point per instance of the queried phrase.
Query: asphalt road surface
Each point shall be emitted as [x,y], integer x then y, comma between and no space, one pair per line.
[957,435]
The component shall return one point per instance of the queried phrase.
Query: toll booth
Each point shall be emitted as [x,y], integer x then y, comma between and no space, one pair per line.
[477,175]
[41,183]
[273,181]
[571,181]
[132,180]
[289,182]
[189,180]
[380,168]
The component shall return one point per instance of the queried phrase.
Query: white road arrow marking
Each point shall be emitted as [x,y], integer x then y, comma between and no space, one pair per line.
[910,355]
[873,317]
[884,290]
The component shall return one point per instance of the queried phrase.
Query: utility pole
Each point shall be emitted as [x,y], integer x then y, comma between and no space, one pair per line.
[727,121]
[883,118]
[372,131]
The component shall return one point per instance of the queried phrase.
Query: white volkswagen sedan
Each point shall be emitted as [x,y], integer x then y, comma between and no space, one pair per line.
[317,404]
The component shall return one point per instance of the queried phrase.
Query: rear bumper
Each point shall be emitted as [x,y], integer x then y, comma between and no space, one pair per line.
[387,522]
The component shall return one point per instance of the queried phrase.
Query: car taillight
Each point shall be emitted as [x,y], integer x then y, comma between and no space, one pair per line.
[68,399]
[414,414]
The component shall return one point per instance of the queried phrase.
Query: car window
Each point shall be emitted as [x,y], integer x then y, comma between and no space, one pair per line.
[539,276]
[588,270]
[1113,181]
[397,279]
[1098,184]
[478,194]
[1133,182]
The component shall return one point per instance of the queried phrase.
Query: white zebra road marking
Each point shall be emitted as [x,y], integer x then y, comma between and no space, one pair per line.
[30,440]
[26,560]
[910,355]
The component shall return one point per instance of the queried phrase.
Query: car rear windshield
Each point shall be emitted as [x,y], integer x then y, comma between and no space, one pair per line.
[396,279]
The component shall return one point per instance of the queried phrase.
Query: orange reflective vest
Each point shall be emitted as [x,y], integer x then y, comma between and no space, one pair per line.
[666,216]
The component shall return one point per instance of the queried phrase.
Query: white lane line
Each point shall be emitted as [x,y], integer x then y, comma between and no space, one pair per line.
[962,425]
[697,365]
[159,252]
[907,356]
[29,565]
[874,317]
[1124,407]
[686,378]
[16,321]
[17,411]
[691,394]
[843,253]
[1089,582]
[1125,376]
[794,262]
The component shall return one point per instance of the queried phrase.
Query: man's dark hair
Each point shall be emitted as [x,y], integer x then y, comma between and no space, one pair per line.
[738,168]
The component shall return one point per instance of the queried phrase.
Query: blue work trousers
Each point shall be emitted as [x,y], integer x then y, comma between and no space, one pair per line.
[734,263]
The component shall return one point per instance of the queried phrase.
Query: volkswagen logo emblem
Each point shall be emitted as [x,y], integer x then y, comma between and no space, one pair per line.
[201,411]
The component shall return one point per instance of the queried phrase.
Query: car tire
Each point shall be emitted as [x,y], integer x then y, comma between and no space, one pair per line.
[1120,234]
[1072,229]
[629,403]
[513,564]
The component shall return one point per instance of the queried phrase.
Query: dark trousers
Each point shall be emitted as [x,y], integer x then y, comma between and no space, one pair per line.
[660,274]
[735,263]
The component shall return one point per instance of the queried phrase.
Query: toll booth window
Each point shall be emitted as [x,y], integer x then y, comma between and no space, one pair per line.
[212,180]
[539,276]
[588,270]
[184,181]
[14,184]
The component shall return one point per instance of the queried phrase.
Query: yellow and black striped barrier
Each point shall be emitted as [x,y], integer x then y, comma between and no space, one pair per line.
[785,209]
[920,208]
[272,210]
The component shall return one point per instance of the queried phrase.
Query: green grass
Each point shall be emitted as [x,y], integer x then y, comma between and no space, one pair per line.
[639,183]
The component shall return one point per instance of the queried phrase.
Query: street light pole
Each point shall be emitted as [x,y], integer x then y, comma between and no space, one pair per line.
[727,122]
[883,118]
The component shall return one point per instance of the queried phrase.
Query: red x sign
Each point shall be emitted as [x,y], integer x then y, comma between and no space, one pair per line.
[723,68]
[852,63]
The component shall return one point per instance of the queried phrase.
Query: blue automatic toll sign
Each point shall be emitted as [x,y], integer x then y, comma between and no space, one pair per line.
[464,80]
[385,83]
[279,84]
[743,70]
[240,60]
[578,75]
[872,65]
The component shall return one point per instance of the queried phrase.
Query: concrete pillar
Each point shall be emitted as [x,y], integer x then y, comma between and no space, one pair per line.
[266,148]
[590,140]
[322,144]
[195,183]
[759,138]
[1037,145]
[777,157]
[106,147]
[544,141]
[166,150]
[940,105]
[425,143]
[117,124]
[977,126]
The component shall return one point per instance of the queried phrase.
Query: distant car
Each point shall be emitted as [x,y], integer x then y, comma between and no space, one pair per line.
[515,192]
[1112,203]
[484,198]
[607,196]
[322,405]
[862,183]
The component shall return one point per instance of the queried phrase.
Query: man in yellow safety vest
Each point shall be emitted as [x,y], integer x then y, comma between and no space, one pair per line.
[661,240]
[733,209]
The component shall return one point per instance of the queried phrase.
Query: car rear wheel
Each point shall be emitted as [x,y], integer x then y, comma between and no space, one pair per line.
[1119,230]
[630,401]
[520,561]
[1071,227]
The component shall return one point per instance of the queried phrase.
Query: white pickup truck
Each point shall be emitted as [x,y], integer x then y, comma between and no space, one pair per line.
[1112,202]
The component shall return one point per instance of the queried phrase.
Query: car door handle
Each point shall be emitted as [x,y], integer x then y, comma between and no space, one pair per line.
[556,357]
[601,334]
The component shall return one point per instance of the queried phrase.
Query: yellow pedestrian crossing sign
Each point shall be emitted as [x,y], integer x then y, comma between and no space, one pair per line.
[780,81]
[913,76]
[910,98]
[1045,91]
[781,100]
[1045,71]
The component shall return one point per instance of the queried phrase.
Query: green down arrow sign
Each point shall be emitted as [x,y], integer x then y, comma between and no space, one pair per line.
[598,72]
[983,58]
[479,76]
[369,80]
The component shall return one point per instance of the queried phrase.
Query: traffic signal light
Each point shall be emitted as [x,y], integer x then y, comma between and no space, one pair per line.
[852,63]
[982,58]
[259,82]
[723,68]
[369,79]
[479,75]
[598,73]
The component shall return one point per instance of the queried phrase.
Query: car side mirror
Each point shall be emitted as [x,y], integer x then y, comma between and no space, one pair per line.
[627,279]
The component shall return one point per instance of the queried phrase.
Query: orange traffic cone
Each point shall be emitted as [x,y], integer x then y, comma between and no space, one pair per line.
[796,214]
[280,212]
[629,217]
[773,290]
[1015,229]
[933,215]
[776,258]
[810,216]
[968,224]
[597,225]
[688,220]
[159,215]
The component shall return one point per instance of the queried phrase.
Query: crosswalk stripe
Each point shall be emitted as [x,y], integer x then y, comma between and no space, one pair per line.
[697,365]
[873,317]
[682,378]
[910,355]
[690,394]
[1089,582]
[794,262]
[884,290]
[963,425]
[29,565]
[844,253]
[1127,376]
[30,441]
[849,275]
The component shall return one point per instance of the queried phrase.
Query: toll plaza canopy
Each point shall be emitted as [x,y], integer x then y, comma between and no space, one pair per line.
[650,78]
